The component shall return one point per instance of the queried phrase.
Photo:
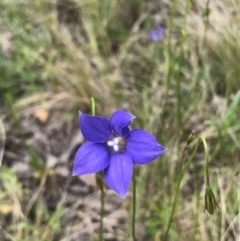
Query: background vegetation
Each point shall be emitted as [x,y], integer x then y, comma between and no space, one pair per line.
[57,54]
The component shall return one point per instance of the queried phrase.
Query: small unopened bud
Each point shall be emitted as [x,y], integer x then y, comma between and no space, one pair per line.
[210,201]
[191,137]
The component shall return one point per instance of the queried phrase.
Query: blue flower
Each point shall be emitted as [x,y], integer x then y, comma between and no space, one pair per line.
[157,34]
[112,147]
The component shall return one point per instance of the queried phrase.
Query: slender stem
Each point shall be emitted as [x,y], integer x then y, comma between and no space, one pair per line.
[200,139]
[183,155]
[101,215]
[134,208]
[99,180]
[92,105]
[2,141]
[206,160]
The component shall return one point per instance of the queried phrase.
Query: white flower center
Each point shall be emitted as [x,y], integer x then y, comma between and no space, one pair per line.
[116,143]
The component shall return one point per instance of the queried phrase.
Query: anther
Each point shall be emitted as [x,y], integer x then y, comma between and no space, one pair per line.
[116,148]
[116,140]
[110,143]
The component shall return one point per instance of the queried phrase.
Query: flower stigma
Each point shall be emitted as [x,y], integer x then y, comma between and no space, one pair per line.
[117,143]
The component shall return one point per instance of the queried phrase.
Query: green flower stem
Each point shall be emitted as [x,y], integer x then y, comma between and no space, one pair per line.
[183,156]
[199,140]
[101,215]
[92,101]
[134,208]
[99,180]
[206,160]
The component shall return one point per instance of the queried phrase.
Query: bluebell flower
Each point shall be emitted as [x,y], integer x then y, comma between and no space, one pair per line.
[111,146]
[157,34]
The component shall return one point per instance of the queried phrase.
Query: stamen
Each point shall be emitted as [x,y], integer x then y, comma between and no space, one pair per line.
[116,140]
[110,143]
[117,143]
[116,148]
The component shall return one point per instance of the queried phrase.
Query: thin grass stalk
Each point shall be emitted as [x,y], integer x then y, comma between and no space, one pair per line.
[168,53]
[34,157]
[134,208]
[227,123]
[196,216]
[169,62]
[178,72]
[200,139]
[2,141]
[228,85]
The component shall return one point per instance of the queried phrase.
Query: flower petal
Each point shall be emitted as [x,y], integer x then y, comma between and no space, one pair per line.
[143,147]
[95,128]
[153,36]
[119,173]
[160,30]
[120,121]
[158,34]
[90,158]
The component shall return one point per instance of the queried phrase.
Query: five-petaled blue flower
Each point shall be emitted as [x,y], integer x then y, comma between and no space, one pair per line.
[157,34]
[112,147]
